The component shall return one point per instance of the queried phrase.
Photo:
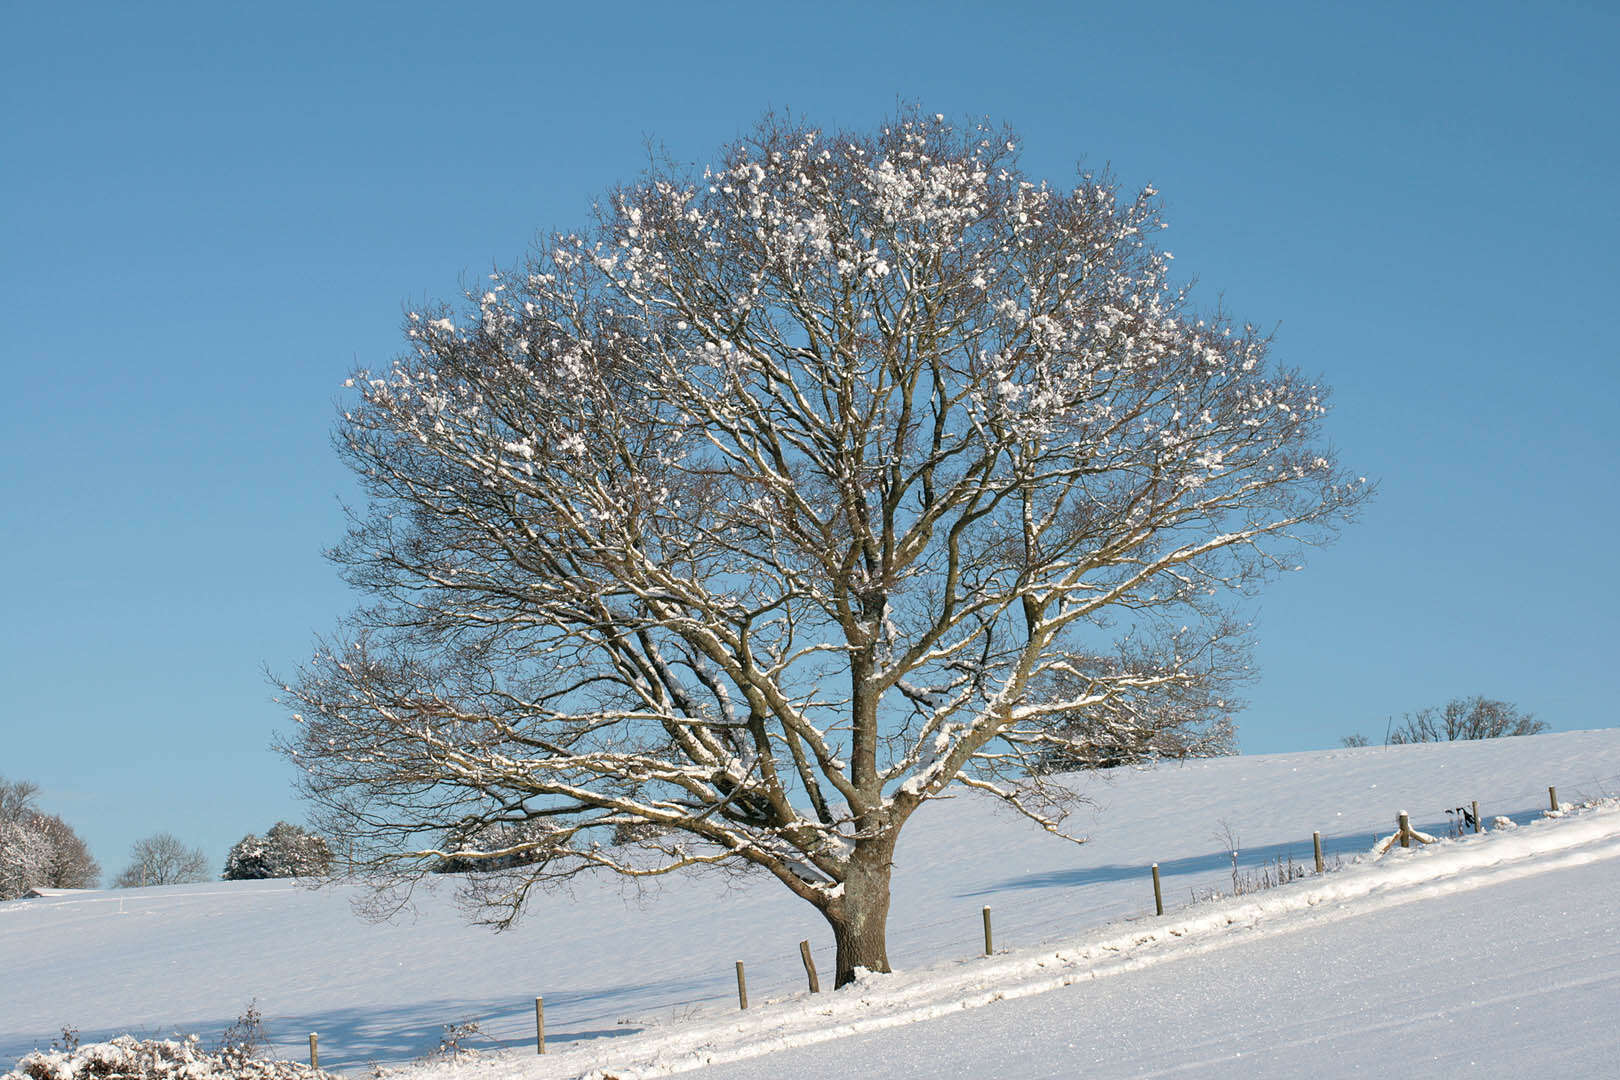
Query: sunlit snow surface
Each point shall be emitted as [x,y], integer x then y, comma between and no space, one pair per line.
[1483,949]
[1500,976]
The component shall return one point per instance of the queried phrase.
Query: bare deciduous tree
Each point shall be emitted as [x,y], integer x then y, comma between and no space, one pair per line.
[793,494]
[1474,717]
[17,799]
[70,865]
[162,859]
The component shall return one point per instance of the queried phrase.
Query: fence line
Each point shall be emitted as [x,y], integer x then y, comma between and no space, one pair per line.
[1539,794]
[1040,926]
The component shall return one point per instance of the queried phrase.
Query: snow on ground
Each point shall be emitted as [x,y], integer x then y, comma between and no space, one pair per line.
[1508,975]
[642,971]
[1513,932]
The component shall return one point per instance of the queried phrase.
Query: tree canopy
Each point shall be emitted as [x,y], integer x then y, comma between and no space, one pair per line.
[162,859]
[1476,717]
[797,491]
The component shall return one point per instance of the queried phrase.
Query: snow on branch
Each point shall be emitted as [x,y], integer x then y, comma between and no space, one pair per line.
[795,491]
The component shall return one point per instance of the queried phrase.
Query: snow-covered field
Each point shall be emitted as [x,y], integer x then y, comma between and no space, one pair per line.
[1508,970]
[1499,951]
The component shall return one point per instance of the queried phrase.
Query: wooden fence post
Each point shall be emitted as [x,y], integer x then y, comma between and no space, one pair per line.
[1552,797]
[1405,825]
[1316,842]
[314,1052]
[1476,816]
[539,1025]
[989,943]
[809,967]
[1158,895]
[742,987]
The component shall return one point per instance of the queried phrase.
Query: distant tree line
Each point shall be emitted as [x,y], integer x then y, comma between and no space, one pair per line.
[41,851]
[285,851]
[1460,718]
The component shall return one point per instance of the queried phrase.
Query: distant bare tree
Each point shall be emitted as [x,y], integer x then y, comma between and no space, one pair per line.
[1466,718]
[804,489]
[162,859]
[1358,739]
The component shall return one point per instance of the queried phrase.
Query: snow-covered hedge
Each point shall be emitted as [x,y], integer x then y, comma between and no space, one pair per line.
[127,1058]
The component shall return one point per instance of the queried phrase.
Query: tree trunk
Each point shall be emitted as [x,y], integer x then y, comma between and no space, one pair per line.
[860,916]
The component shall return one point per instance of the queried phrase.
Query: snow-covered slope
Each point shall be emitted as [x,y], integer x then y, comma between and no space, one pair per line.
[1220,987]
[1497,971]
[190,958]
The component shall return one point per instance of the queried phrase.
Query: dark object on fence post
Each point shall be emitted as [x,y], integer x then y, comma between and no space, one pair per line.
[1405,824]
[989,945]
[1158,896]
[1316,842]
[1552,797]
[742,987]
[314,1052]
[539,1025]
[1476,816]
[809,967]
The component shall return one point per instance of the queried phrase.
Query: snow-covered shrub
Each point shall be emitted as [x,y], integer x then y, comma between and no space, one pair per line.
[128,1058]
[285,851]
[450,1048]
[247,1035]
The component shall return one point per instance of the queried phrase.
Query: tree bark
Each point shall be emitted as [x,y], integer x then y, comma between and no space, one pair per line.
[860,916]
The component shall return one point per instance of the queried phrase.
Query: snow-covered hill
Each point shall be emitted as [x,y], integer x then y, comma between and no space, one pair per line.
[642,975]
[1497,971]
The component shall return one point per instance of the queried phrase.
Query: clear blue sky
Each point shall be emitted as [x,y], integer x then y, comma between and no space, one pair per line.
[209,213]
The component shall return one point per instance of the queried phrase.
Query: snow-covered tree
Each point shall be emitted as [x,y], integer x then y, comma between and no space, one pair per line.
[162,859]
[38,849]
[796,492]
[25,856]
[70,865]
[285,851]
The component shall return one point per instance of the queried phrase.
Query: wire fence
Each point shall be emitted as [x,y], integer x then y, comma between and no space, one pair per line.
[921,943]
[716,989]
